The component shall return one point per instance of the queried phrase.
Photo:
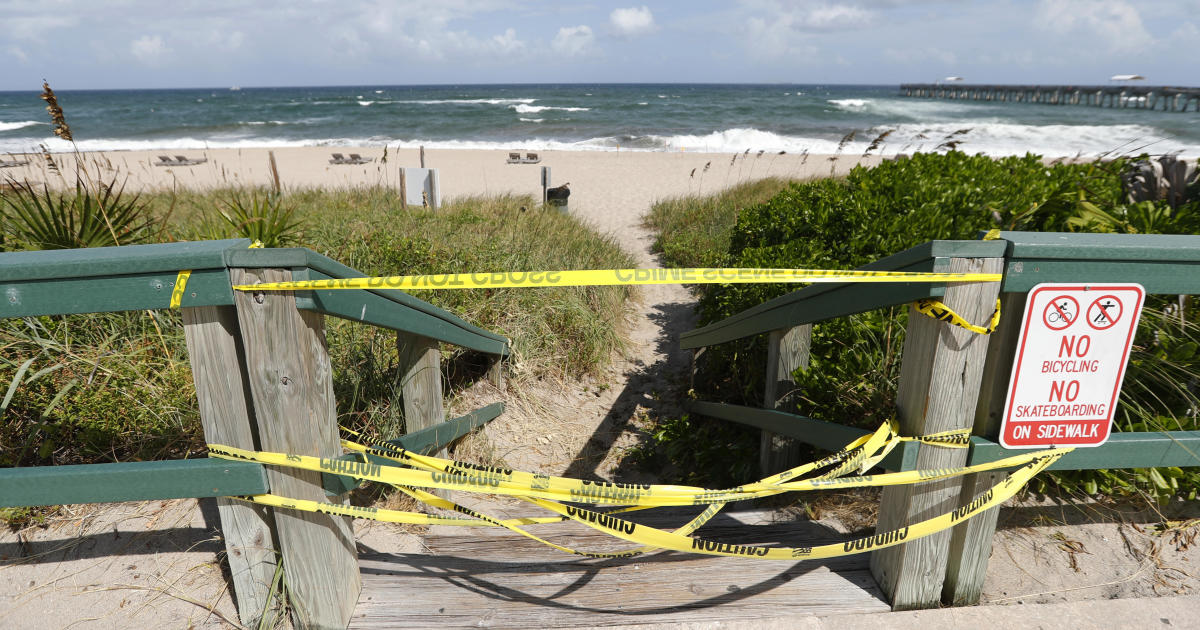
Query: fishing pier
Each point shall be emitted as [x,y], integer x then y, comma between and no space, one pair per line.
[1168,99]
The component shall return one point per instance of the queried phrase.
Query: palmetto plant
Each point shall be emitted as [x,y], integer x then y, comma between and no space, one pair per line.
[261,217]
[89,215]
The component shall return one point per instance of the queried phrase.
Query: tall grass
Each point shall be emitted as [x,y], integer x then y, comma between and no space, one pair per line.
[694,230]
[106,387]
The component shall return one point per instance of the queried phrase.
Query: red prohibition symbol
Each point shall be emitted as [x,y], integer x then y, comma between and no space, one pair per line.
[1061,312]
[1104,312]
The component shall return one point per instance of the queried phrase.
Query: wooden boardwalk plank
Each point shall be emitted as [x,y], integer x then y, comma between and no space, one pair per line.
[502,580]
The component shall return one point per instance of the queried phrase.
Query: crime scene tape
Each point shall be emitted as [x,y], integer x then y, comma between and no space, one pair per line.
[180,286]
[851,457]
[549,492]
[612,277]
[935,309]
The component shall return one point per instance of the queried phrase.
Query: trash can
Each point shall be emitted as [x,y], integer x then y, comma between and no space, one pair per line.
[557,197]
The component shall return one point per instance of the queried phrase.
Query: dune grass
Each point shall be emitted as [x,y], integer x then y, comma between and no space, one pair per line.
[693,230]
[118,387]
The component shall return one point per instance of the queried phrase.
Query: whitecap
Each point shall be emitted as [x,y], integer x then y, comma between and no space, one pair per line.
[9,126]
[533,109]
[365,103]
[532,120]
[991,138]
[850,103]
[474,101]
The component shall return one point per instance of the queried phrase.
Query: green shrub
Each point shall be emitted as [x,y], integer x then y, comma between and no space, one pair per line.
[842,224]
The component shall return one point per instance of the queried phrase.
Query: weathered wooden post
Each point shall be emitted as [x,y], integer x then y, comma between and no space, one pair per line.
[939,386]
[227,415]
[291,384]
[420,369]
[787,350]
[403,190]
[971,542]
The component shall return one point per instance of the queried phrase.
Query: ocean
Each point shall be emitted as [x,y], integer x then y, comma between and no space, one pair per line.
[642,117]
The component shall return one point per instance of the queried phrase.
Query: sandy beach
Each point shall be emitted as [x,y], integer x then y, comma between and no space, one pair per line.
[601,181]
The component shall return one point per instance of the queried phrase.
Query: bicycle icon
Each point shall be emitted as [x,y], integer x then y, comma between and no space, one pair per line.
[1061,312]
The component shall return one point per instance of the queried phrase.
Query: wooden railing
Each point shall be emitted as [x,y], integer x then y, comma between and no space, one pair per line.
[952,379]
[263,382]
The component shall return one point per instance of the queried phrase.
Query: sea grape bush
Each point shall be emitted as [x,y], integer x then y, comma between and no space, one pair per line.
[873,213]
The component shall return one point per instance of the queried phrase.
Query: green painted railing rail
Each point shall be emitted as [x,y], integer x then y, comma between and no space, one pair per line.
[819,302]
[1163,263]
[132,481]
[138,277]
[193,478]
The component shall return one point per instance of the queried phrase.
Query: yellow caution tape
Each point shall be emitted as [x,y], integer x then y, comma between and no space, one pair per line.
[936,309]
[855,456]
[610,277]
[658,538]
[180,286]
[454,475]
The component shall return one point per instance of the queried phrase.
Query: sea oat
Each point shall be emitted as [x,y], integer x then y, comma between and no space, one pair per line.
[877,141]
[49,158]
[61,129]
[845,140]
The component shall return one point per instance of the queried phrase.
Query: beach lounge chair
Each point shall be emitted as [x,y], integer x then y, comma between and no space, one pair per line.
[165,160]
[531,158]
[12,163]
[338,158]
[186,161]
[514,158]
[358,159]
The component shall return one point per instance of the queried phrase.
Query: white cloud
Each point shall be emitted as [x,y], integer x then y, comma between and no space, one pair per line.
[149,49]
[508,43]
[633,21]
[779,29]
[809,16]
[573,40]
[835,16]
[1112,23]
[18,54]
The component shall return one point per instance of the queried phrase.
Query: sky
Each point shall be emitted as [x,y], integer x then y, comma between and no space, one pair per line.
[124,44]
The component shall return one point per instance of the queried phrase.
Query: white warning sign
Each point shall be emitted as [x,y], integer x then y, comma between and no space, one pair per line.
[1070,362]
